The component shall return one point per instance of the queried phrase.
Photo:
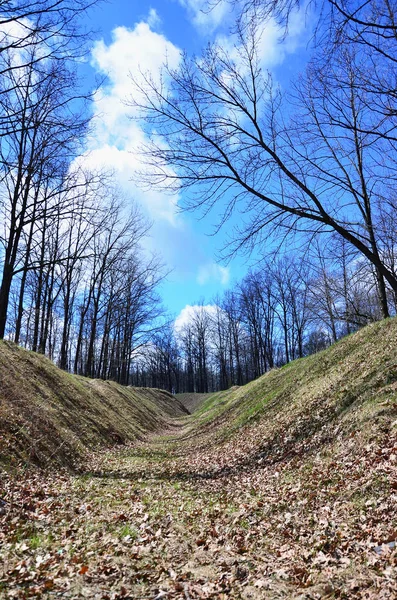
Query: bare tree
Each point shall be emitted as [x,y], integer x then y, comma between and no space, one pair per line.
[34,160]
[226,142]
[35,32]
[231,307]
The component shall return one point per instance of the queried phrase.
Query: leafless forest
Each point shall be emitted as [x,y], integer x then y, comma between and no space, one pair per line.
[310,170]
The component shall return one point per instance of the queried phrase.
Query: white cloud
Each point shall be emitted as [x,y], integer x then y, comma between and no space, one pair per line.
[123,164]
[190,313]
[205,17]
[272,50]
[14,42]
[213,272]
[116,136]
[153,19]
[209,16]
[131,53]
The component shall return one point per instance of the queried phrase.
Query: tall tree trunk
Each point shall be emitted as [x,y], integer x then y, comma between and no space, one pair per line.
[5,296]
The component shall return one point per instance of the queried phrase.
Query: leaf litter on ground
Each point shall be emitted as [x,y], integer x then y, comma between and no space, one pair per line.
[299,503]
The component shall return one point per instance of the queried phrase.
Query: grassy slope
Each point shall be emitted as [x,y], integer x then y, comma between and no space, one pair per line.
[192,401]
[47,415]
[348,389]
[293,477]
[284,488]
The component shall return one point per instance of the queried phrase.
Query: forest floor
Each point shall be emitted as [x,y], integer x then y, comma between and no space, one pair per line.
[284,488]
[163,520]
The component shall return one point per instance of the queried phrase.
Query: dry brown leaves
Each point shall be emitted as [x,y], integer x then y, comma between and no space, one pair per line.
[164,520]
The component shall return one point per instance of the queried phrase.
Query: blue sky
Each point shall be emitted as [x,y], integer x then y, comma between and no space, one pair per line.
[132,36]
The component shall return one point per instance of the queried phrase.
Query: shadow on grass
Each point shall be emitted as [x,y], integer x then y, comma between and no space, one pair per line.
[311,436]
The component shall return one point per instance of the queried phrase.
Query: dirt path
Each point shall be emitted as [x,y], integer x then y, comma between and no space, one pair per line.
[165,519]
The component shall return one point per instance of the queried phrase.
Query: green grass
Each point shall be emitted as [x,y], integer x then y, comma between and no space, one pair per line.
[129,531]
[36,541]
[50,417]
[247,477]
[347,382]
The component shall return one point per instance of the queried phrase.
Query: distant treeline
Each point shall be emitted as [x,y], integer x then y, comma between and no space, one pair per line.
[286,309]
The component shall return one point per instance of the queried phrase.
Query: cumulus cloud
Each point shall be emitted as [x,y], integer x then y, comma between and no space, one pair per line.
[14,38]
[115,138]
[189,314]
[123,164]
[206,18]
[211,272]
[116,135]
[217,18]
[272,48]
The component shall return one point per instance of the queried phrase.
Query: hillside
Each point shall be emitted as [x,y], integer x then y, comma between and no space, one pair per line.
[284,488]
[192,401]
[48,416]
[346,391]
